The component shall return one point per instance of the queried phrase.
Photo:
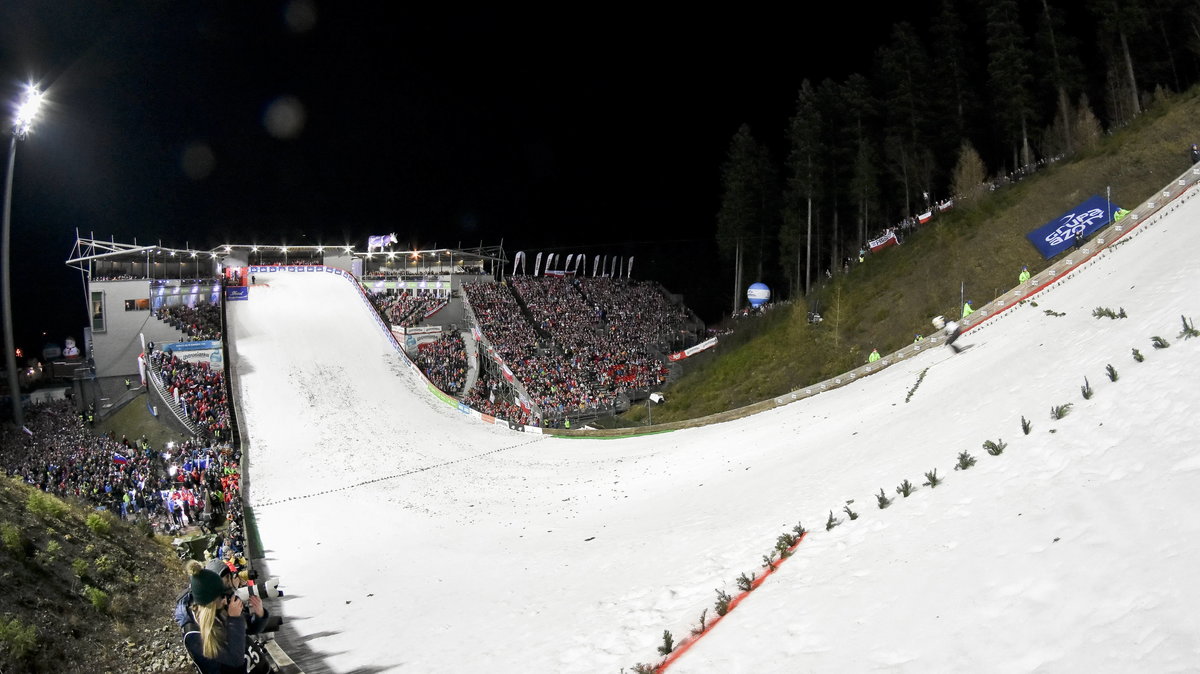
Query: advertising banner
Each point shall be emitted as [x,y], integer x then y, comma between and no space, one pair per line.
[691,351]
[1062,232]
[236,293]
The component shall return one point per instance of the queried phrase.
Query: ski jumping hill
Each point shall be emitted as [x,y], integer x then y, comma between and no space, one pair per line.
[413,538]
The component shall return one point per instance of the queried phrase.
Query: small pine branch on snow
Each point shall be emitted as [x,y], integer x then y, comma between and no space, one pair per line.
[722,605]
[1189,329]
[1060,411]
[703,623]
[746,583]
[884,501]
[965,461]
[1086,389]
[799,530]
[1112,372]
[997,448]
[850,513]
[1105,312]
[913,390]
[1137,355]
[1026,425]
[668,643]
[1159,343]
[905,488]
[769,559]
[1051,312]
[784,542]
[831,522]
[642,668]
[931,479]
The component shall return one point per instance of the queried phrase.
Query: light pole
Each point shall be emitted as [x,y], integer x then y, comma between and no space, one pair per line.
[22,124]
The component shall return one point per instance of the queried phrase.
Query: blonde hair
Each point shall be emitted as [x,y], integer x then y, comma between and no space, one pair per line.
[212,629]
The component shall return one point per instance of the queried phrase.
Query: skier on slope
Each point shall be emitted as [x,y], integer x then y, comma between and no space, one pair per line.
[953,330]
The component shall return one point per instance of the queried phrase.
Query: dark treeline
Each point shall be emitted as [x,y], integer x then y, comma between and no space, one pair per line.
[982,92]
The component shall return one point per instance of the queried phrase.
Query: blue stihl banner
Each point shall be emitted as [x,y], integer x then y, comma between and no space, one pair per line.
[1061,233]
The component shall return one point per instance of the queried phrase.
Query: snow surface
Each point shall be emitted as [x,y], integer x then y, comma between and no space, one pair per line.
[412,538]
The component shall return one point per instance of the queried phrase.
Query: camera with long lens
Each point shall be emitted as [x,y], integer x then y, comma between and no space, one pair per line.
[268,588]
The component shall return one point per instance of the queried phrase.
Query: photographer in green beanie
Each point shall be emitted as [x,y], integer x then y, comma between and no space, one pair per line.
[213,623]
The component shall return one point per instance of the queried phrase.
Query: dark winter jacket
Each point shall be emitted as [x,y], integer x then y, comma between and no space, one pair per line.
[230,659]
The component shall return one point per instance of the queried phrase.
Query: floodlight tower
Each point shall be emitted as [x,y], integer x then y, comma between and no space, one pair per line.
[22,124]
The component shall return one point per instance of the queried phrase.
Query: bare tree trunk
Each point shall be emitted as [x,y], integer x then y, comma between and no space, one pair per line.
[737,276]
[808,252]
[1133,89]
[1063,104]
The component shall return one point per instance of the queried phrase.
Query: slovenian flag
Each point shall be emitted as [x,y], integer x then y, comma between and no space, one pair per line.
[117,458]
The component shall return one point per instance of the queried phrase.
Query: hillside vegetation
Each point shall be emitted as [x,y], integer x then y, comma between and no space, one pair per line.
[884,302]
[83,591]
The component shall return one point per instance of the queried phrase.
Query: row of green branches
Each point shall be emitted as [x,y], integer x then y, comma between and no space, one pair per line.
[786,542]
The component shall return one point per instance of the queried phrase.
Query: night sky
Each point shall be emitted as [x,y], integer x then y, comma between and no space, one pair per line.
[305,122]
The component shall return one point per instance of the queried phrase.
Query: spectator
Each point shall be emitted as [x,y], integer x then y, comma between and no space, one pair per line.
[214,629]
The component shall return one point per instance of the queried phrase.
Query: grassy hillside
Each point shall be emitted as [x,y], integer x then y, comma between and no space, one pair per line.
[885,301]
[82,591]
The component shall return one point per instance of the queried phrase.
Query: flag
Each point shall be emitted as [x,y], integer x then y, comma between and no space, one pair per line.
[117,458]
[924,217]
[884,241]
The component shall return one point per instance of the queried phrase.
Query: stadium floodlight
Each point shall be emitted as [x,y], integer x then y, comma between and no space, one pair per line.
[26,114]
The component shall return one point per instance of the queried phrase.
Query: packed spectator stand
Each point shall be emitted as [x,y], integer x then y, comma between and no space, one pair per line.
[407,309]
[172,489]
[196,323]
[444,362]
[199,391]
[490,396]
[577,344]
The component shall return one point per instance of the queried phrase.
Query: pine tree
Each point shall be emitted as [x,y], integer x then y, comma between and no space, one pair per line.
[969,173]
[747,223]
[903,79]
[802,190]
[1009,77]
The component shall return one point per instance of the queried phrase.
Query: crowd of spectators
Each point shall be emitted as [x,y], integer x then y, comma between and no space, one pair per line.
[196,323]
[444,362]
[585,341]
[408,309]
[173,489]
[198,389]
[490,396]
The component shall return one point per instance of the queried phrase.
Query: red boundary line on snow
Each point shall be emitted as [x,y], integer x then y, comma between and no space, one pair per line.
[691,640]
